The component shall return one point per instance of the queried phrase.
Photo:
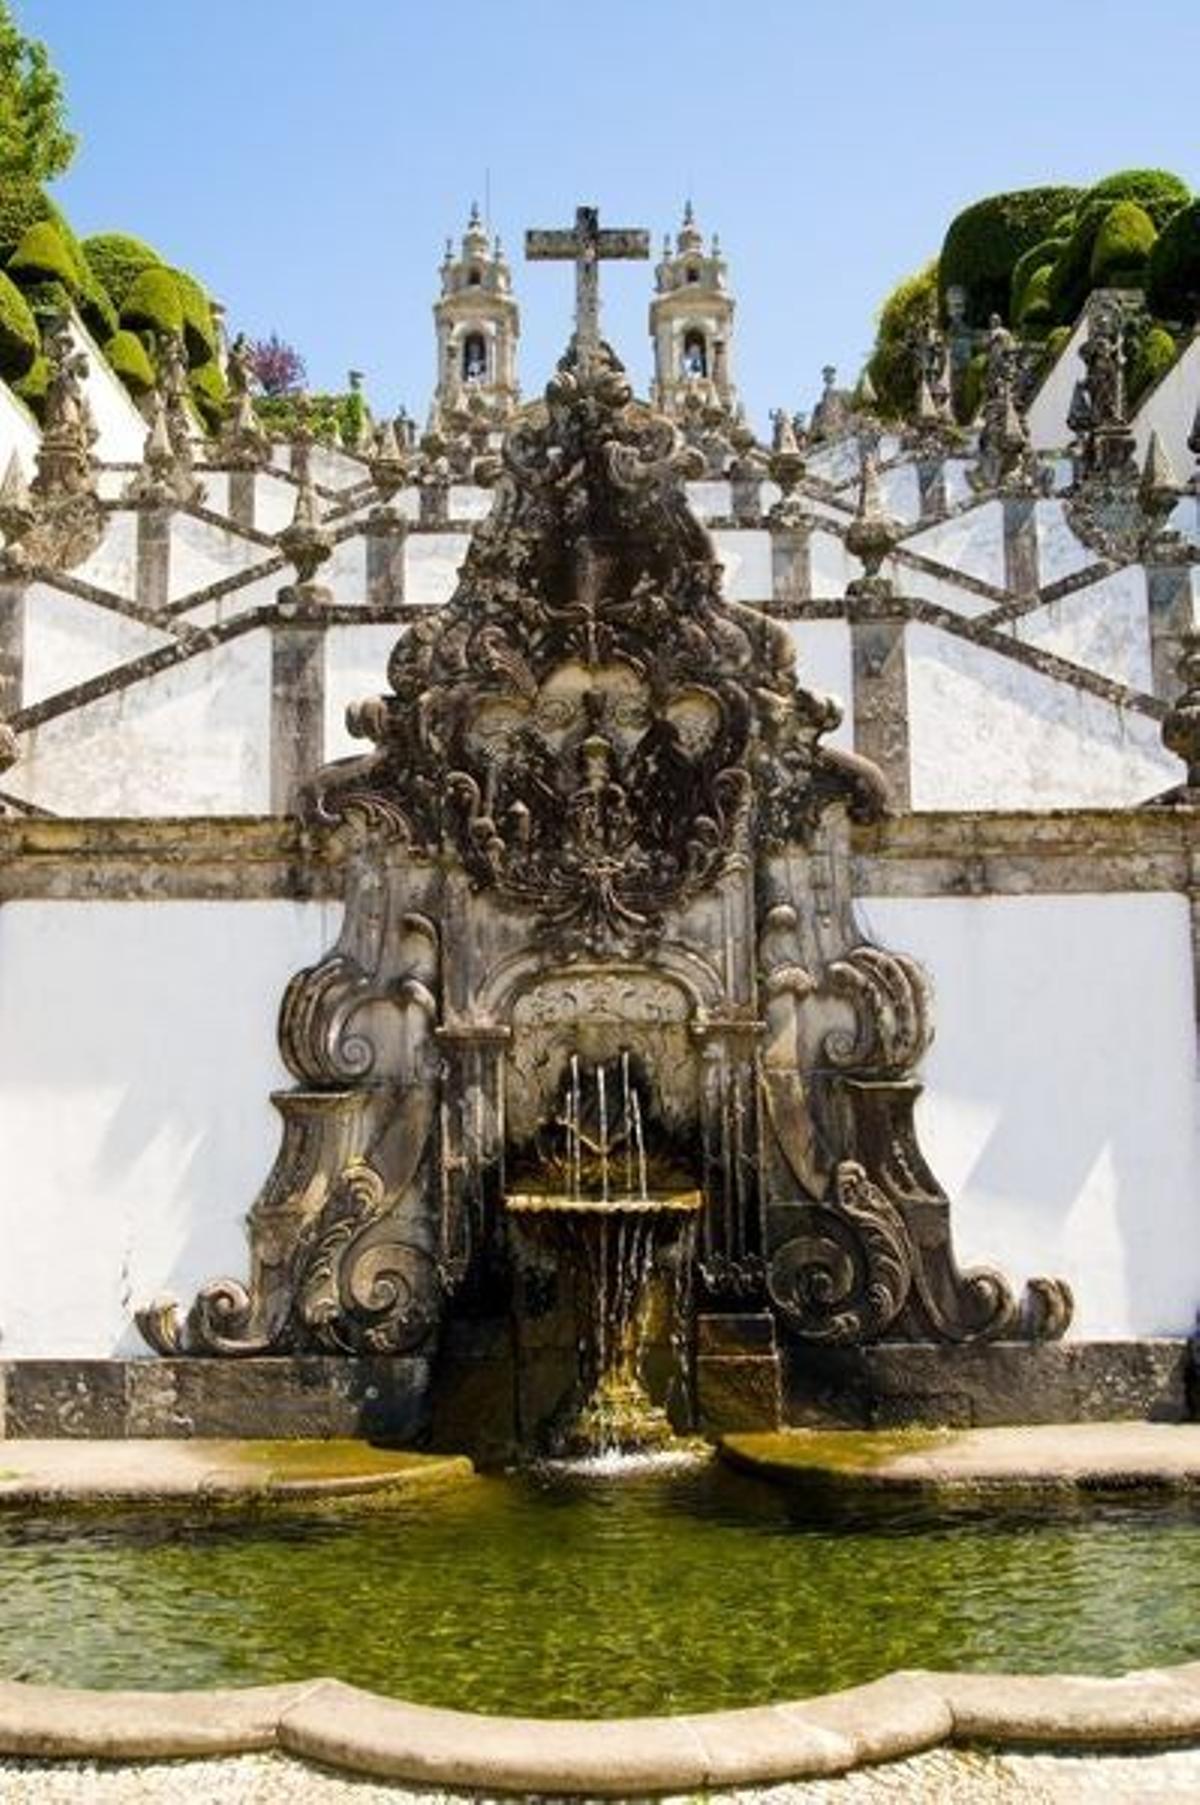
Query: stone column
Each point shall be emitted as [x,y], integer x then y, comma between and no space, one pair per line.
[387,534]
[12,648]
[745,495]
[297,692]
[435,504]
[153,583]
[1170,595]
[1022,575]
[791,562]
[931,487]
[879,659]
[242,495]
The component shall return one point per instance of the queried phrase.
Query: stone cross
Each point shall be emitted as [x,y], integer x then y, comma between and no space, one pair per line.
[585,244]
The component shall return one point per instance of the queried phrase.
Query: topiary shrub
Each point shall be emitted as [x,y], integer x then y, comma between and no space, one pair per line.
[199,327]
[1121,246]
[22,204]
[1156,191]
[129,359]
[20,341]
[1041,256]
[890,365]
[210,393]
[33,386]
[44,255]
[152,303]
[118,260]
[984,241]
[1155,354]
[1173,270]
[96,308]
[1036,311]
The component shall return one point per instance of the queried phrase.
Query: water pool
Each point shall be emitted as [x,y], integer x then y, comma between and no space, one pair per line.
[674,1589]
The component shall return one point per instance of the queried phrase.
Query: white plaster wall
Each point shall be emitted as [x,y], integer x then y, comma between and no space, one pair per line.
[901,492]
[258,593]
[68,640]
[355,667]
[956,480]
[122,430]
[972,542]
[334,468]
[1170,409]
[745,557]
[831,565]
[1047,415]
[1060,553]
[18,432]
[202,554]
[137,1054]
[274,501]
[467,502]
[431,566]
[1105,627]
[113,564]
[823,663]
[192,740]
[987,733]
[710,501]
[1061,1105]
[345,573]
[943,592]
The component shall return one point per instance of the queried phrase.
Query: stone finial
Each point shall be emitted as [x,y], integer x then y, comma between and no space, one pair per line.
[306,543]
[16,503]
[388,463]
[872,534]
[156,483]
[785,466]
[1158,489]
[866,398]
[1181,725]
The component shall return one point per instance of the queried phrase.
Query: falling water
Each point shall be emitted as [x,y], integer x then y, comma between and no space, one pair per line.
[602,1105]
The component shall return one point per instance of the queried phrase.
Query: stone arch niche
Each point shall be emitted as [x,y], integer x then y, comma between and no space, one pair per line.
[599,812]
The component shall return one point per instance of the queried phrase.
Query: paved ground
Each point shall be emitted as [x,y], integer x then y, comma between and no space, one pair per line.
[945,1777]
[1086,1455]
[46,1472]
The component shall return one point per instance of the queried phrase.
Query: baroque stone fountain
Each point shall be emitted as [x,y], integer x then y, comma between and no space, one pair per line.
[600,844]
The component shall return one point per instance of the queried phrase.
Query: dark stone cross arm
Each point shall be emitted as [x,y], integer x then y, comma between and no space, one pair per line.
[585,244]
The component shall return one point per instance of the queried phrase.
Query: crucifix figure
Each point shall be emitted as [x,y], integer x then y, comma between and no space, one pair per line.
[584,245]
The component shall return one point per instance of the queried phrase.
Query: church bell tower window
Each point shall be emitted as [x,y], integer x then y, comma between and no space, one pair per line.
[695,354]
[474,358]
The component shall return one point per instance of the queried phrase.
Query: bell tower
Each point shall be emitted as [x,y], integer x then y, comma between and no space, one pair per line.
[691,323]
[478,324]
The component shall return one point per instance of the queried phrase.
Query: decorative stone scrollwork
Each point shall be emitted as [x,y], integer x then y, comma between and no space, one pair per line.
[362,1288]
[845,1276]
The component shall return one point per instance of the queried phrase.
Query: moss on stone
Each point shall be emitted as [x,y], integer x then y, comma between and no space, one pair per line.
[152,303]
[846,1451]
[984,241]
[130,360]
[20,341]
[1173,268]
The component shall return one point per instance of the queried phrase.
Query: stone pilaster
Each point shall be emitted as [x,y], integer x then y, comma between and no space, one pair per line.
[931,487]
[243,486]
[153,581]
[745,498]
[1170,595]
[1022,576]
[879,660]
[12,648]
[387,534]
[435,504]
[297,693]
[791,563]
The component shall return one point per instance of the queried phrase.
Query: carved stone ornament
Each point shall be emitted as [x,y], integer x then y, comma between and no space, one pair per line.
[62,520]
[599,832]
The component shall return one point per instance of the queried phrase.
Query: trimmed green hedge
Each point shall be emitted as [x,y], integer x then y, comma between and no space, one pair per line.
[118,260]
[152,303]
[1155,354]
[1122,245]
[33,386]
[199,328]
[130,360]
[44,255]
[1040,256]
[890,365]
[22,204]
[984,241]
[1037,307]
[209,393]
[1173,271]
[1156,191]
[20,340]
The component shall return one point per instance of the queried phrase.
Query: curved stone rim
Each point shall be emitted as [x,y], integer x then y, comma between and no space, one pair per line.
[345,1727]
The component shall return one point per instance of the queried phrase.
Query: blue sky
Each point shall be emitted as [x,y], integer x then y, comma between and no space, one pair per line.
[306,158]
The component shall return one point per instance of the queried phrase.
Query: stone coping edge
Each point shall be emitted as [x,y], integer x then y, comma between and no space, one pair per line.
[345,1727]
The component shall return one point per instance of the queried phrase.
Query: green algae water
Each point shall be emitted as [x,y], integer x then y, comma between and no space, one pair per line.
[668,1590]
